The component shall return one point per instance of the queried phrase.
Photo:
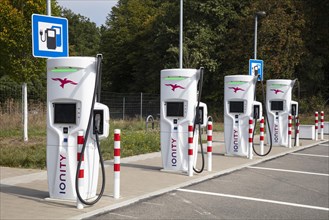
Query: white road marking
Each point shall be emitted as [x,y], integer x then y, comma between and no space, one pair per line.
[289,171]
[255,199]
[126,216]
[152,203]
[311,155]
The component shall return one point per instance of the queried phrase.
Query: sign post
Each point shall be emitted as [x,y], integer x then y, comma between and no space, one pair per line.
[49,36]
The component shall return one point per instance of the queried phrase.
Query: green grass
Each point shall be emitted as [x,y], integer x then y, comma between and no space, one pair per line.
[14,152]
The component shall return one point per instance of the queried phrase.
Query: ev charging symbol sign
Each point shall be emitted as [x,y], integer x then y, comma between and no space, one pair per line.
[256,67]
[49,36]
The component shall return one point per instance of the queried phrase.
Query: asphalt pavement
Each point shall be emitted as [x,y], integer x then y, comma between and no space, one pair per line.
[23,192]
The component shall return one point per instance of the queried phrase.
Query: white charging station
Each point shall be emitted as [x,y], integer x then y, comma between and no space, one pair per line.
[239,106]
[178,102]
[70,90]
[279,105]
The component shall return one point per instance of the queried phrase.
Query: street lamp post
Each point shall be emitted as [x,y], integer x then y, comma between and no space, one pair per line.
[259,13]
[181,35]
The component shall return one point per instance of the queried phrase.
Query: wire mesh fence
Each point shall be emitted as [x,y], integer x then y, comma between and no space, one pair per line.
[121,105]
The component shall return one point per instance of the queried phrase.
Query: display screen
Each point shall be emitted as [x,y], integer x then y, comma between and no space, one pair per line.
[276,105]
[236,107]
[65,113]
[175,109]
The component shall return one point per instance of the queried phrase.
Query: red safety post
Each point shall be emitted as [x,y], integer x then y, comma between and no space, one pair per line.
[209,145]
[250,138]
[322,125]
[297,131]
[80,141]
[116,166]
[289,130]
[261,137]
[316,125]
[190,149]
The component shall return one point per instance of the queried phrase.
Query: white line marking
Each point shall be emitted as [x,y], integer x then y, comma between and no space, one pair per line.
[289,171]
[255,199]
[151,203]
[311,155]
[126,216]
[325,145]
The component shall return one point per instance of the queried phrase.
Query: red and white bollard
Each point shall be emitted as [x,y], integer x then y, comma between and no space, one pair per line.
[322,125]
[316,125]
[289,130]
[261,137]
[209,145]
[80,141]
[190,149]
[297,131]
[116,166]
[250,138]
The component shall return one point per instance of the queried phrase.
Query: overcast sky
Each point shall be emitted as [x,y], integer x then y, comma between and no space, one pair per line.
[95,10]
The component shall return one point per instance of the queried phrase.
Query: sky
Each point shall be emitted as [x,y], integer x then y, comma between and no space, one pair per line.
[95,10]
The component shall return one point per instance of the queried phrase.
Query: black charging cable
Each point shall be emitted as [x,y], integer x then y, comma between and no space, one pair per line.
[197,120]
[99,61]
[267,121]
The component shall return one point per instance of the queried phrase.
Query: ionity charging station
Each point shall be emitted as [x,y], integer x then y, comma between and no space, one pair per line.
[279,105]
[75,124]
[179,101]
[239,106]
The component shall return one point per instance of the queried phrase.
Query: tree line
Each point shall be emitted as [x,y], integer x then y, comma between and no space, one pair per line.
[141,37]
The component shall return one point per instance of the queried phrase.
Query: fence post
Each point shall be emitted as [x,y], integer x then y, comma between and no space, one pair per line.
[123,108]
[25,112]
[141,112]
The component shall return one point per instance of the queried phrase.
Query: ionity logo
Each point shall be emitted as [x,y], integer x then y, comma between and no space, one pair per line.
[276,91]
[236,89]
[64,81]
[174,86]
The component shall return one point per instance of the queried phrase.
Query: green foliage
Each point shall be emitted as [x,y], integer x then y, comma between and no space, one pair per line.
[84,36]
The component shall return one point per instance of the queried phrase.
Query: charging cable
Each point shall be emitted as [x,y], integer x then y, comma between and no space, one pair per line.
[96,127]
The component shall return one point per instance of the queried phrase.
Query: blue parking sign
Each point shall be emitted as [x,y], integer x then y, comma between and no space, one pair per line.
[49,36]
[256,68]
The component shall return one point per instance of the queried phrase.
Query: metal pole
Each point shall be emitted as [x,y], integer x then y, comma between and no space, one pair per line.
[25,113]
[181,36]
[255,43]
[141,105]
[49,7]
[123,108]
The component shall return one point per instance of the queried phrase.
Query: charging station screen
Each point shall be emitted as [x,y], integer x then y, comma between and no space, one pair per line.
[175,109]
[65,113]
[236,107]
[277,106]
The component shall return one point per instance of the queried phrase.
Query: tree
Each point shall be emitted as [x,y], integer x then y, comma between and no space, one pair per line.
[84,36]
[17,63]
[313,70]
